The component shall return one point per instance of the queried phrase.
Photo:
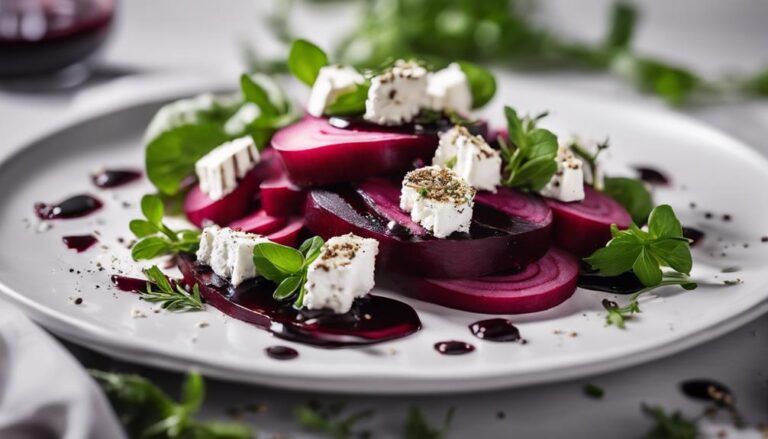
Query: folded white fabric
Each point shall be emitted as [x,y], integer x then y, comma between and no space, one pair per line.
[44,392]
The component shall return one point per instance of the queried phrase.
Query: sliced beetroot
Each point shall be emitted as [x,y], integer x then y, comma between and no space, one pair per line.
[259,222]
[288,234]
[383,197]
[316,153]
[585,226]
[280,197]
[199,207]
[540,285]
[497,242]
[374,319]
[517,204]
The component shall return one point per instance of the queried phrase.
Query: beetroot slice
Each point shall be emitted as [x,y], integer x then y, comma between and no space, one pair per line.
[288,235]
[497,242]
[517,204]
[280,197]
[384,197]
[541,285]
[199,207]
[585,226]
[316,153]
[252,302]
[259,222]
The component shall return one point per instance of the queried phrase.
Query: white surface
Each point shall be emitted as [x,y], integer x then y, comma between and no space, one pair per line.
[44,392]
[710,35]
[234,350]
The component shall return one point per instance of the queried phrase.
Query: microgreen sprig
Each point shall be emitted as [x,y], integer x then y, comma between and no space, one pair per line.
[170,296]
[530,155]
[156,238]
[287,266]
[331,420]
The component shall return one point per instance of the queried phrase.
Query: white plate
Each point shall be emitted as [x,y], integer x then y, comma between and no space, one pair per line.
[716,172]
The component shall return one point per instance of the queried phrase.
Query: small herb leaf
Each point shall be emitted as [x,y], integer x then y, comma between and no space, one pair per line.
[254,93]
[152,208]
[149,248]
[288,287]
[481,82]
[632,194]
[142,228]
[305,60]
[283,259]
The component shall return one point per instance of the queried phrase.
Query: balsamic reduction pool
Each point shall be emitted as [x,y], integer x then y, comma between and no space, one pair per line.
[498,329]
[80,243]
[110,178]
[73,207]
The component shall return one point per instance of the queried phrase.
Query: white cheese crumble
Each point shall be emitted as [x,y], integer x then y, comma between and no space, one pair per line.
[229,252]
[568,182]
[592,147]
[219,171]
[238,122]
[470,157]
[448,89]
[331,82]
[438,199]
[397,95]
[343,272]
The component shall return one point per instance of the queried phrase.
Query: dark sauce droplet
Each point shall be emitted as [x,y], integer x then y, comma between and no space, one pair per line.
[625,283]
[453,347]
[695,235]
[80,243]
[708,390]
[498,329]
[652,176]
[281,353]
[73,207]
[109,178]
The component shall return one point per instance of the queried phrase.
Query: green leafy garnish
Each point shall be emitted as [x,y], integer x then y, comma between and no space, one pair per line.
[530,156]
[184,131]
[632,194]
[417,427]
[645,253]
[305,61]
[594,391]
[170,296]
[618,315]
[482,83]
[669,426]
[330,421]
[287,267]
[156,238]
[350,103]
[149,413]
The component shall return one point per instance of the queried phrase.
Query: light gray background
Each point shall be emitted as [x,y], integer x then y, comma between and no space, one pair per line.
[712,36]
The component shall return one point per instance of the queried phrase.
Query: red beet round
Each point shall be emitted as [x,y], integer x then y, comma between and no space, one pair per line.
[316,153]
[199,207]
[541,285]
[259,222]
[289,234]
[497,242]
[280,197]
[585,226]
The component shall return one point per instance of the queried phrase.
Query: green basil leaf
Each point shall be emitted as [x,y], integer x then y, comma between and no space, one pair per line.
[152,208]
[285,260]
[618,257]
[646,268]
[622,25]
[542,143]
[535,174]
[350,103]
[171,156]
[482,83]
[287,287]
[310,248]
[632,194]
[305,61]
[255,94]
[675,254]
[149,248]
[193,392]
[514,127]
[142,228]
[662,223]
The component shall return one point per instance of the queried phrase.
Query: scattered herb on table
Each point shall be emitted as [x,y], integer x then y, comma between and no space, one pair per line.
[645,253]
[170,295]
[529,158]
[287,266]
[155,237]
[417,426]
[669,425]
[594,391]
[331,421]
[148,412]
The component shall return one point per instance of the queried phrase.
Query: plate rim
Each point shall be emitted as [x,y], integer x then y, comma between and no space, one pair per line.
[157,88]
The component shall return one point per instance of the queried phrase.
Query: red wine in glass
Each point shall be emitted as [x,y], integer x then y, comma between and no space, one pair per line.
[42,37]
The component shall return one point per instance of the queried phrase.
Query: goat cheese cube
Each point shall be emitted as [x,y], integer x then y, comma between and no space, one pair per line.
[568,182]
[397,95]
[229,252]
[343,272]
[438,199]
[448,89]
[331,82]
[593,174]
[470,157]
[219,171]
